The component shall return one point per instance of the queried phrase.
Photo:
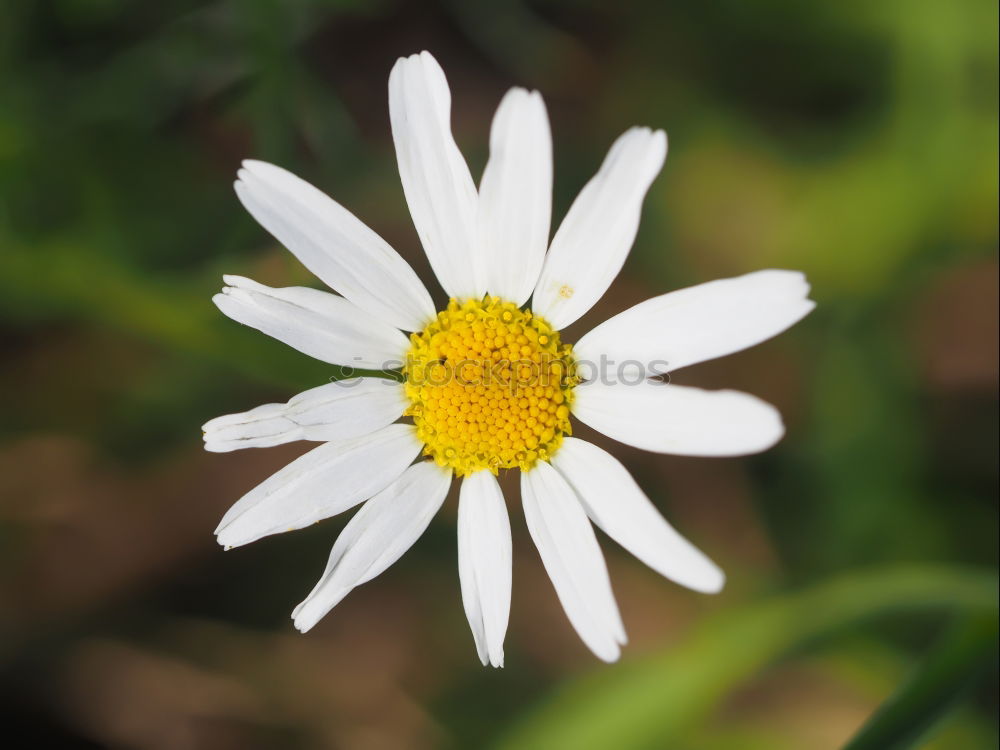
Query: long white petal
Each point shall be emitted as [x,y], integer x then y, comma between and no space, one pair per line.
[515,197]
[334,411]
[484,563]
[679,420]
[436,180]
[615,503]
[594,239]
[320,324]
[333,244]
[377,536]
[325,481]
[573,559]
[701,322]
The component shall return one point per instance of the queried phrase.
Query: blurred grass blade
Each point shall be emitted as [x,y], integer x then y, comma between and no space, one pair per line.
[957,662]
[648,702]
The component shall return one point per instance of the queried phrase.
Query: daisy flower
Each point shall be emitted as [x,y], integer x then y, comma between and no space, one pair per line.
[488,384]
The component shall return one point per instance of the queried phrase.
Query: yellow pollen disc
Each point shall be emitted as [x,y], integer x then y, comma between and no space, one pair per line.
[490,387]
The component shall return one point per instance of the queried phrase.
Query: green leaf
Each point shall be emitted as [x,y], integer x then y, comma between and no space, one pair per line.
[646,703]
[957,662]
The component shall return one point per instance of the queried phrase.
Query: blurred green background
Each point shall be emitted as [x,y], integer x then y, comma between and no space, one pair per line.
[854,141]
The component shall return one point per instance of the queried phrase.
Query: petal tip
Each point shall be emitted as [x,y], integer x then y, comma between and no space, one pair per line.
[250,165]
[299,620]
[711,581]
[716,586]
[610,655]
[226,538]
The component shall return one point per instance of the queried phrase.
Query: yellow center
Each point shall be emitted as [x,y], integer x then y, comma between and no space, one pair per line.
[490,387]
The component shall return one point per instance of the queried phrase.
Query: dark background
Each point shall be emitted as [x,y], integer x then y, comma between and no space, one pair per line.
[856,142]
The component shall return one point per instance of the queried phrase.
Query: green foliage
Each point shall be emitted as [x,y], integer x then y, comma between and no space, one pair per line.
[956,663]
[648,702]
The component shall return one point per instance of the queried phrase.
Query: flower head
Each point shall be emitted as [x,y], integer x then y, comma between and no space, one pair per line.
[488,384]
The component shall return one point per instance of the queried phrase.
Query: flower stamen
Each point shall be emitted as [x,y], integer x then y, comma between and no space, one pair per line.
[490,387]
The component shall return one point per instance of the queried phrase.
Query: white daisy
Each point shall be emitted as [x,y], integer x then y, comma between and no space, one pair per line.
[487,384]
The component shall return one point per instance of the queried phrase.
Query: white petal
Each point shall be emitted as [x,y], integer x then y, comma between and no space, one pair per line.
[322,325]
[325,481]
[484,563]
[615,503]
[436,181]
[680,420]
[335,411]
[593,240]
[515,197]
[377,536]
[701,322]
[333,244]
[572,558]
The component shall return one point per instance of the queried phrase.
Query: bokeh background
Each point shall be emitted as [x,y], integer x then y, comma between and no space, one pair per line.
[854,141]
